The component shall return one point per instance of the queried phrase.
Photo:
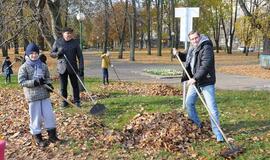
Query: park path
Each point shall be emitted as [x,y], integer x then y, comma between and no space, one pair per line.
[132,71]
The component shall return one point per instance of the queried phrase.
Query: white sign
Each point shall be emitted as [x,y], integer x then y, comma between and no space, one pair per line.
[186,15]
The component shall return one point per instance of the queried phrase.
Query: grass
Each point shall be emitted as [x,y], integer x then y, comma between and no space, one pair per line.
[245,117]
[13,84]
[122,109]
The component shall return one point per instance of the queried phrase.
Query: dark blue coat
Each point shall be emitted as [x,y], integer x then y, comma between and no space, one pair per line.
[7,68]
[72,51]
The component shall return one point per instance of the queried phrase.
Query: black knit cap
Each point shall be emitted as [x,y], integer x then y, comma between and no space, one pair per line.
[67,29]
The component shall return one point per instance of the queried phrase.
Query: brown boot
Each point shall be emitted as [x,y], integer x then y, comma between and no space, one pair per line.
[39,141]
[53,135]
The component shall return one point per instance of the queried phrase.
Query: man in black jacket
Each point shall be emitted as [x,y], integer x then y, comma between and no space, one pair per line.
[69,48]
[200,64]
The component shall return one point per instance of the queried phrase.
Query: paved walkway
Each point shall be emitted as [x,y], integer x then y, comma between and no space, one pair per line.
[130,71]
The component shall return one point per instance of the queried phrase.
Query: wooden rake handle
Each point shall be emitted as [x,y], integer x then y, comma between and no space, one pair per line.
[68,101]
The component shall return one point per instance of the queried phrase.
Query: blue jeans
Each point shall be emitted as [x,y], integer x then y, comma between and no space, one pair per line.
[105,75]
[209,96]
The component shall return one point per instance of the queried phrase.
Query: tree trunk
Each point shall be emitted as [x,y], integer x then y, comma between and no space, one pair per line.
[106,25]
[225,35]
[123,33]
[4,50]
[122,39]
[159,25]
[55,14]
[216,29]
[24,33]
[37,8]
[40,41]
[141,41]
[16,45]
[232,24]
[3,47]
[148,10]
[133,31]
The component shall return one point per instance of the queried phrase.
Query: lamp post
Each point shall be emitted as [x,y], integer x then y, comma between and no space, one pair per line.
[81,17]
[173,34]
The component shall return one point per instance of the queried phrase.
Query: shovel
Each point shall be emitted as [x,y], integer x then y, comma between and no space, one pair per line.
[233,150]
[97,108]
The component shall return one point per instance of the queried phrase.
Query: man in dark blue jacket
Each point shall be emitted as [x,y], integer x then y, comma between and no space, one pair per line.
[200,64]
[69,48]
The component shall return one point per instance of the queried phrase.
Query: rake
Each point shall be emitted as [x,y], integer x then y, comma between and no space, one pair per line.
[97,108]
[233,150]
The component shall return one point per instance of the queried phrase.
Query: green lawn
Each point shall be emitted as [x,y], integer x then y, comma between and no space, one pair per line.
[245,117]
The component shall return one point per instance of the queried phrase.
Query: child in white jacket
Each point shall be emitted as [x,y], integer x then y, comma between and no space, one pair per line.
[33,75]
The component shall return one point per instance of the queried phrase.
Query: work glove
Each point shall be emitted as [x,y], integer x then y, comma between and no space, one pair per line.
[81,72]
[51,87]
[60,52]
[174,51]
[39,82]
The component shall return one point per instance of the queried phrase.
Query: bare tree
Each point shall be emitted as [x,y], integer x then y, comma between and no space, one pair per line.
[232,25]
[106,25]
[55,15]
[38,15]
[148,26]
[159,6]
[133,30]
[263,27]
[121,29]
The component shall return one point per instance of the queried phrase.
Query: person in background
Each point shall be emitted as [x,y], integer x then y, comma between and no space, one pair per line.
[68,52]
[200,64]
[7,69]
[105,63]
[33,75]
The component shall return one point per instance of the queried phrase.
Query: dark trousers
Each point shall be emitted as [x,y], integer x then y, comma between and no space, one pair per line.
[8,78]
[74,83]
[105,75]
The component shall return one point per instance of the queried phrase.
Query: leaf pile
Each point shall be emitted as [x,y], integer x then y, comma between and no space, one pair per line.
[145,89]
[80,132]
[170,131]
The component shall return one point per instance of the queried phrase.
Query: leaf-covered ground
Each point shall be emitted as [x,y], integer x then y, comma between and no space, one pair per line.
[144,89]
[87,137]
[246,70]
[84,136]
